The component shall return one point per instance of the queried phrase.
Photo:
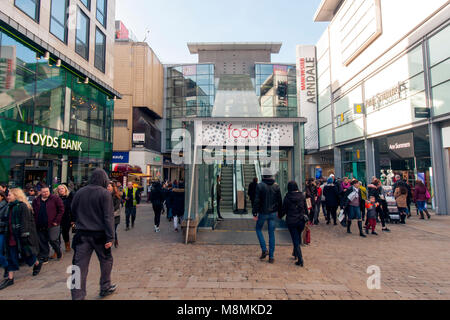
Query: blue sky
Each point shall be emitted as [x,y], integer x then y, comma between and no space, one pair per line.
[173,23]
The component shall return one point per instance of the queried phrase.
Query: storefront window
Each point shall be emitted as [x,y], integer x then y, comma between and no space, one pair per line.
[354,162]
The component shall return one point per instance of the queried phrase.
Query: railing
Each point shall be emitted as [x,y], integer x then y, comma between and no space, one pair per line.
[239,188]
[258,170]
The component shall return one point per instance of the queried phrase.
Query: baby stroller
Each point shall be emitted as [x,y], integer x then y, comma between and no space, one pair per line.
[393,213]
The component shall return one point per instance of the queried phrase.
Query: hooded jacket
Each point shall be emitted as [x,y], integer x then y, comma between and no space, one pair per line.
[267,198]
[92,206]
[294,207]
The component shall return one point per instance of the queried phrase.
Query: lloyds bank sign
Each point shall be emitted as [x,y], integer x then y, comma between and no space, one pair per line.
[43,140]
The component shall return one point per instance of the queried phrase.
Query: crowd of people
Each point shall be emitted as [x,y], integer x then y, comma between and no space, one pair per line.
[355,202]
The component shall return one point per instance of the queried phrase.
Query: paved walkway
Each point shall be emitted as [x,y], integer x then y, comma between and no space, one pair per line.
[414,260]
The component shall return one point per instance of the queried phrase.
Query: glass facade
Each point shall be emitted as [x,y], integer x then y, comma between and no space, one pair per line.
[101,11]
[190,93]
[354,162]
[87,3]
[30,7]
[53,127]
[276,89]
[100,50]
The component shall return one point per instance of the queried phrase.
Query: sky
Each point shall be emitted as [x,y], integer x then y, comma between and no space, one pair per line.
[174,23]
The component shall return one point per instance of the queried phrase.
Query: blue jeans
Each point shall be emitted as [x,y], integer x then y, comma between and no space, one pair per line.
[130,212]
[3,260]
[421,206]
[296,232]
[13,259]
[270,218]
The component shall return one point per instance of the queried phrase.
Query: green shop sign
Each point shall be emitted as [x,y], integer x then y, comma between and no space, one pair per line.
[43,140]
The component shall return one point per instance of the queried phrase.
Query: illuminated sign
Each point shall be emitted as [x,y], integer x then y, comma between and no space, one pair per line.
[43,140]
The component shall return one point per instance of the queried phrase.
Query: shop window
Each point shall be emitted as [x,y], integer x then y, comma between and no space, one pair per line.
[29,7]
[58,19]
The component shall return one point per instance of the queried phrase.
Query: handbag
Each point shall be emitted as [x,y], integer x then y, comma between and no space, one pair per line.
[307,235]
[427,194]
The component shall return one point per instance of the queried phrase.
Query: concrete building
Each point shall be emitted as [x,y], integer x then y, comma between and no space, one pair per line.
[383,83]
[137,125]
[56,84]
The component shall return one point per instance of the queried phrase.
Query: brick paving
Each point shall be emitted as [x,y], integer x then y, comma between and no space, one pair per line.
[414,260]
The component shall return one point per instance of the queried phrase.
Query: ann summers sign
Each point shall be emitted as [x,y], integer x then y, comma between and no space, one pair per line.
[401,146]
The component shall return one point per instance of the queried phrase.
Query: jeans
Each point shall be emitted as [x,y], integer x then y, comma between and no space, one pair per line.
[157,210]
[130,211]
[421,206]
[354,213]
[46,237]
[83,247]
[296,232]
[169,213]
[13,259]
[3,260]
[270,218]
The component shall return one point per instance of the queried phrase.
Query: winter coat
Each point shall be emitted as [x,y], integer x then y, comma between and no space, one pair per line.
[400,198]
[93,206]
[168,197]
[23,229]
[331,193]
[311,193]
[402,183]
[373,191]
[420,193]
[178,202]
[4,218]
[157,196]
[67,216]
[252,190]
[294,207]
[267,198]
[55,210]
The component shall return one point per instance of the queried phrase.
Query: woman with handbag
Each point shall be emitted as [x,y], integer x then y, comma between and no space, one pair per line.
[21,236]
[421,196]
[294,207]
[117,200]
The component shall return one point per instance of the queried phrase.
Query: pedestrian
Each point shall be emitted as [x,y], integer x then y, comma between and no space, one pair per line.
[294,207]
[21,237]
[352,206]
[178,205]
[376,189]
[94,211]
[149,191]
[219,197]
[132,199]
[421,197]
[31,195]
[331,194]
[322,198]
[48,212]
[157,199]
[371,207]
[168,200]
[4,188]
[268,203]
[3,229]
[117,201]
[311,199]
[252,190]
[67,220]
[401,195]
[364,197]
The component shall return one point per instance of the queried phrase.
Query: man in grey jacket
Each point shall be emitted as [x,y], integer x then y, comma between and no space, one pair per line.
[93,209]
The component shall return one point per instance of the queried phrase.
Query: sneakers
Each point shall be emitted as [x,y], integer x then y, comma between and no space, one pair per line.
[36,269]
[220,219]
[374,233]
[6,283]
[110,291]
[264,255]
[157,229]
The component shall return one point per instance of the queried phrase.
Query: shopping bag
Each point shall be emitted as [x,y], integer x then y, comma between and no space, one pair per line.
[427,195]
[307,235]
[341,215]
[308,203]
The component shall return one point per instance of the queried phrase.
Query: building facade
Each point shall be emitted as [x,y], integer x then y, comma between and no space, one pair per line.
[137,125]
[235,105]
[383,83]
[56,95]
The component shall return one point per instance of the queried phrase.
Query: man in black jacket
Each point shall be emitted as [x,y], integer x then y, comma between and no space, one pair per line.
[93,209]
[268,204]
[252,190]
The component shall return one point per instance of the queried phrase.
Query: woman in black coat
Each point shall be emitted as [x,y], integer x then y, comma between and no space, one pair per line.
[331,194]
[294,207]
[157,199]
[117,201]
[21,236]
[67,219]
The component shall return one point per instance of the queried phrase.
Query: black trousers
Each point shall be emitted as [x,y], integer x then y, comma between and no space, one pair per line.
[331,212]
[157,210]
[46,237]
[65,229]
[296,234]
[83,246]
[218,208]
[383,212]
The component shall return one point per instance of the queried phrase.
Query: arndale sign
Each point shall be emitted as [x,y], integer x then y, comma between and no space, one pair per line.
[43,140]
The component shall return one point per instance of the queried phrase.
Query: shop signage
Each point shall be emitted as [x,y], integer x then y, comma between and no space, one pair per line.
[138,137]
[358,108]
[422,112]
[307,93]
[43,140]
[402,146]
[121,157]
[387,97]
[224,133]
